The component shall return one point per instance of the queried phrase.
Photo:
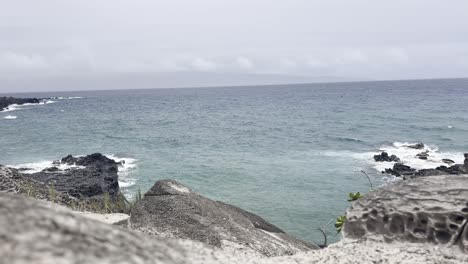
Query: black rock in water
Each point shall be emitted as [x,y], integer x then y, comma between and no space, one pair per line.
[416,146]
[171,209]
[385,157]
[448,161]
[6,101]
[97,176]
[423,155]
[400,170]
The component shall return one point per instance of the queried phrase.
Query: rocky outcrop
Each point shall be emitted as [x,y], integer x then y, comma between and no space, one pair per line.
[385,157]
[426,210]
[92,184]
[7,101]
[171,209]
[401,170]
[96,175]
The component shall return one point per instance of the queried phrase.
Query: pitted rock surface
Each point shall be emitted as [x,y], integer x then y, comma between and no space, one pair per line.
[171,209]
[426,209]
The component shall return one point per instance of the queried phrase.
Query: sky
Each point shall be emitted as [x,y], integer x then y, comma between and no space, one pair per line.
[107,44]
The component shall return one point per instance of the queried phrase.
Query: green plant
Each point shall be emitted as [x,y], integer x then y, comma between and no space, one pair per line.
[106,201]
[354,196]
[339,223]
[52,193]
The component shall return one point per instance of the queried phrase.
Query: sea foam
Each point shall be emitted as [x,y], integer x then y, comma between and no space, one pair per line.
[10,117]
[407,156]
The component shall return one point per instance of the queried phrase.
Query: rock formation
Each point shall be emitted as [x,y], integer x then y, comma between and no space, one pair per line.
[96,176]
[171,209]
[426,210]
[93,185]
[6,101]
[401,170]
[385,157]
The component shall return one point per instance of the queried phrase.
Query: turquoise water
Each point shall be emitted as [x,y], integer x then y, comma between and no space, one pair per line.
[289,153]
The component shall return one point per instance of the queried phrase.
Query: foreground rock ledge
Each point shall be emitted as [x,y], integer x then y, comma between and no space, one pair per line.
[170,209]
[431,209]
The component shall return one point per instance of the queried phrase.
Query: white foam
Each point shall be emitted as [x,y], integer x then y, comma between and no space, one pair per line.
[67,98]
[407,156]
[34,167]
[125,170]
[15,107]
[10,117]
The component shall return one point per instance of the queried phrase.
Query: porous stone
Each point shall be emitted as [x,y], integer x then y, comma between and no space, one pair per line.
[172,209]
[425,209]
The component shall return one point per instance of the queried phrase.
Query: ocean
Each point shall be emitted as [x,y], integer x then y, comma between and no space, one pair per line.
[289,153]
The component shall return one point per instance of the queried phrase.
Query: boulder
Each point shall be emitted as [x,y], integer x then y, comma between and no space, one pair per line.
[172,209]
[385,157]
[425,210]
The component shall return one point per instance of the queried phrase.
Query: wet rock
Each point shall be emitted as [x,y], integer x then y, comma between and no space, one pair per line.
[448,161]
[425,209]
[385,157]
[417,146]
[423,155]
[400,170]
[171,209]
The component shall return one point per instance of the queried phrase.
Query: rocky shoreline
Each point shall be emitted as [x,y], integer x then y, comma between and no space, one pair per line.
[399,169]
[5,102]
[420,220]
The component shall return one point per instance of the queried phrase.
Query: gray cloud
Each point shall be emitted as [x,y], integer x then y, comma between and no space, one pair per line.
[55,40]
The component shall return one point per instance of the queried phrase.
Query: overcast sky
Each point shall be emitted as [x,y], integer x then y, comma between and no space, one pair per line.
[79,44]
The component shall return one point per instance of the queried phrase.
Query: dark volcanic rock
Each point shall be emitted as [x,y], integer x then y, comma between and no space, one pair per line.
[416,146]
[427,210]
[96,177]
[385,157]
[423,155]
[6,101]
[448,161]
[401,170]
[171,209]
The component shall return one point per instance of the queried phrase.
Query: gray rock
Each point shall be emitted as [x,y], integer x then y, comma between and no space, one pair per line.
[171,209]
[426,209]
[33,231]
